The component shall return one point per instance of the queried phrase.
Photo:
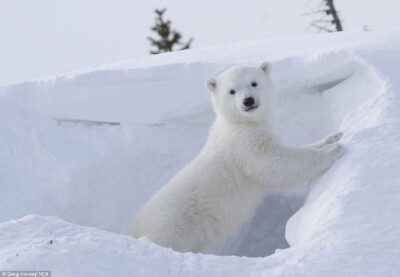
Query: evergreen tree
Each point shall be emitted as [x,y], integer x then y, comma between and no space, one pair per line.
[168,39]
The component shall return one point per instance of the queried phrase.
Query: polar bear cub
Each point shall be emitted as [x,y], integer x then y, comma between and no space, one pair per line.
[212,196]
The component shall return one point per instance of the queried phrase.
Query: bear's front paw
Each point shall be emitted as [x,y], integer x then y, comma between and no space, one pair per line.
[333,138]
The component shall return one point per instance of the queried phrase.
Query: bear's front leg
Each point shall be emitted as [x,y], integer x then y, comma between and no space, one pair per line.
[293,166]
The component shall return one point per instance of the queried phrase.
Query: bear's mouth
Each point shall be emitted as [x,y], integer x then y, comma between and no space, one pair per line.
[247,109]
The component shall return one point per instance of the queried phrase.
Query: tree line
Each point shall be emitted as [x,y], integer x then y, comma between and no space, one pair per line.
[169,39]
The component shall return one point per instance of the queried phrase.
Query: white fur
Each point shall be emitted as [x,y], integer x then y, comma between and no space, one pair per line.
[219,190]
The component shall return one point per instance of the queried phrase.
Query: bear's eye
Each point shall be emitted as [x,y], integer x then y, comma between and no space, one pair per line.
[232,91]
[253,84]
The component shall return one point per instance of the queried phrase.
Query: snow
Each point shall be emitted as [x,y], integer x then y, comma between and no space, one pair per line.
[80,153]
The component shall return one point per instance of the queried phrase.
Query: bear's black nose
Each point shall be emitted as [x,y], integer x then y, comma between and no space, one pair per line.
[249,101]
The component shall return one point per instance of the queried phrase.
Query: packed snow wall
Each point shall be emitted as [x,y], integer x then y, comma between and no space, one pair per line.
[142,125]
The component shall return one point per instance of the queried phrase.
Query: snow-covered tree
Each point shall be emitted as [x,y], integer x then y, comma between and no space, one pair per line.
[330,17]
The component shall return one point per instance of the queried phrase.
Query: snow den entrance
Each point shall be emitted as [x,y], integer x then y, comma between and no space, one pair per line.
[109,171]
[314,97]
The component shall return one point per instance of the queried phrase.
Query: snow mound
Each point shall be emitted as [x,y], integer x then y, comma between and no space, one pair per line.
[91,148]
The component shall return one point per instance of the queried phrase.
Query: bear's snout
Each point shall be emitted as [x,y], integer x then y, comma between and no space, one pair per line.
[248,102]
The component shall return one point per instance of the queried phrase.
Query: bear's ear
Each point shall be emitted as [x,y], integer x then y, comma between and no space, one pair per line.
[211,85]
[266,67]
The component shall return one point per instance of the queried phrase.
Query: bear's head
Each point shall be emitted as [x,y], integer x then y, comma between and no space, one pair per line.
[242,93]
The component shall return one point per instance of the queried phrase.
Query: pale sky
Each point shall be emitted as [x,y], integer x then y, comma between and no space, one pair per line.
[46,37]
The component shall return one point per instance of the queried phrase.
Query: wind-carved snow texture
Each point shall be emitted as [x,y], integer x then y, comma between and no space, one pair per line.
[91,149]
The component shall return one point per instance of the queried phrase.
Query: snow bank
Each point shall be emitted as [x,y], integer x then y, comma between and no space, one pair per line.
[91,147]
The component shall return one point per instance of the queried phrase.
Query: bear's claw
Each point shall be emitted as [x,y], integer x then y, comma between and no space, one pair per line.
[334,138]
